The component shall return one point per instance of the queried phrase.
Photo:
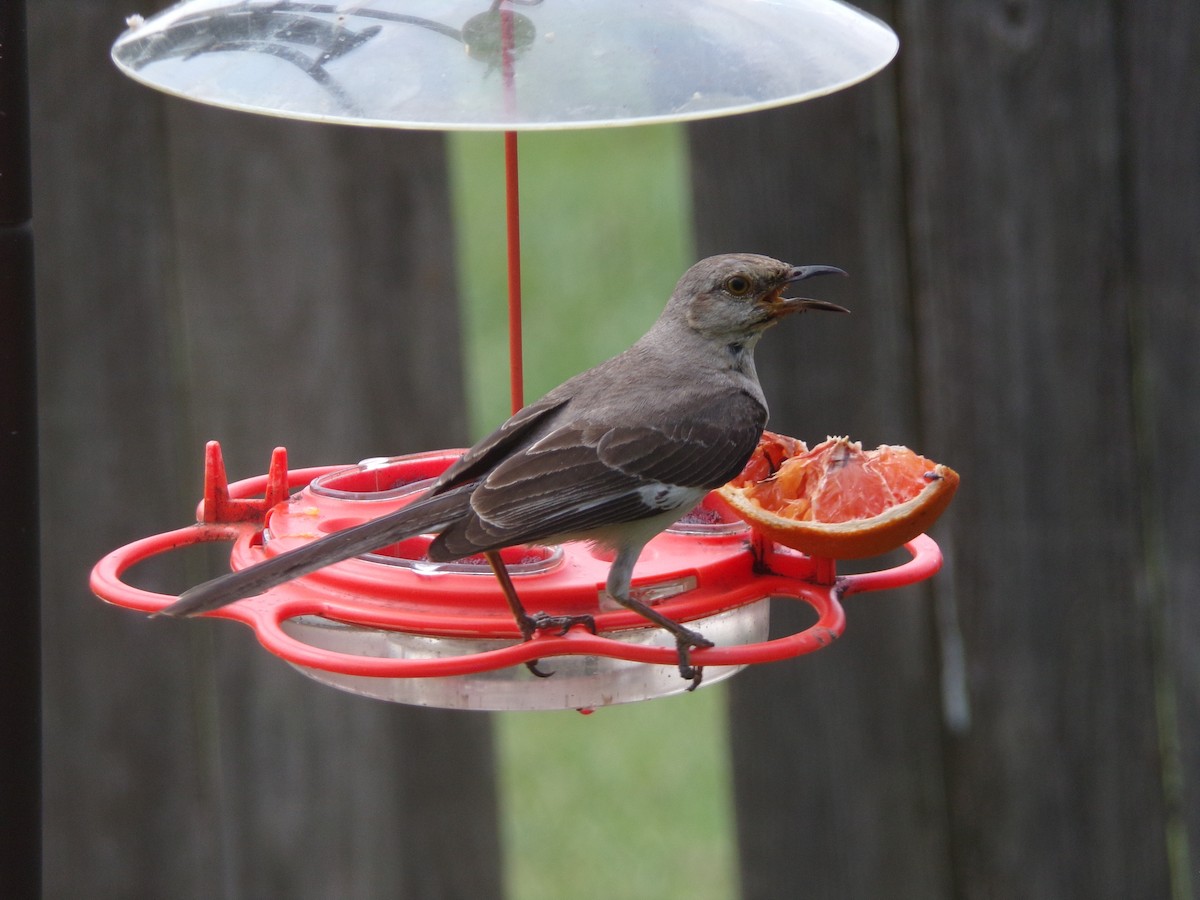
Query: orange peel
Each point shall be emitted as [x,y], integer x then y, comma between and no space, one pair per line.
[838,500]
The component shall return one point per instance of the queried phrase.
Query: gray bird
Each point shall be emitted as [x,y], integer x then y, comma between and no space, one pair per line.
[612,456]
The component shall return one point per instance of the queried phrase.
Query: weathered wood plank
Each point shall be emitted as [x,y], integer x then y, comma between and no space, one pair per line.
[1006,235]
[119,765]
[1012,128]
[325,276]
[837,759]
[205,274]
[1162,71]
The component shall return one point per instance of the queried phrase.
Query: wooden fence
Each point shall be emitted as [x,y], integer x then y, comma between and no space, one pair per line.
[1018,201]
[269,286]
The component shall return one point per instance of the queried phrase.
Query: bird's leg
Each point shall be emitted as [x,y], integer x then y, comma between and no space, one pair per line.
[528,624]
[685,638]
[619,588]
[524,621]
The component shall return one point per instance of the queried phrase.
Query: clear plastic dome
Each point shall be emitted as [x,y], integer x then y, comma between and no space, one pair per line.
[515,65]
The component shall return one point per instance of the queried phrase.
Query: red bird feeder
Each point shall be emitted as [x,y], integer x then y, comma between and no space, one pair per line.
[392,625]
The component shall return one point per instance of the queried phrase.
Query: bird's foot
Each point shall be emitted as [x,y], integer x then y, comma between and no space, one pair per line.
[685,640]
[544,621]
[540,621]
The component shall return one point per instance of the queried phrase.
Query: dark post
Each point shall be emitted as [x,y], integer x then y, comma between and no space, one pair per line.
[20,698]
[211,274]
[1016,200]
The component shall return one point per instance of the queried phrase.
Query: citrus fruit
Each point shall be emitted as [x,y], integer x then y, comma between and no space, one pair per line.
[838,500]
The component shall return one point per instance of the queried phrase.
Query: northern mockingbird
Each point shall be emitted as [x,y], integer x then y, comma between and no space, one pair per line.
[612,456]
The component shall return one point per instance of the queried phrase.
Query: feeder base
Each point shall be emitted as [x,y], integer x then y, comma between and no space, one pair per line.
[578,682]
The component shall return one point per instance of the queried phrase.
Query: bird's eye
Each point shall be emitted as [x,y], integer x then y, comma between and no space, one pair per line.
[738,285]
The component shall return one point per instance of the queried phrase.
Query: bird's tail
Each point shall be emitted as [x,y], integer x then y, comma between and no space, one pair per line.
[425,515]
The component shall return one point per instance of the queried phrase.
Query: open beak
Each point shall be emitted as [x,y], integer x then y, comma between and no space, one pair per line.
[803,304]
[784,305]
[799,273]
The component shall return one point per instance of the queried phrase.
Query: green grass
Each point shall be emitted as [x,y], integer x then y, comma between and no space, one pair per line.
[632,801]
[605,225]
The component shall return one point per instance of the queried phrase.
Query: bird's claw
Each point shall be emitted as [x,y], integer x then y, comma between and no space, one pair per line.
[532,666]
[685,640]
[542,621]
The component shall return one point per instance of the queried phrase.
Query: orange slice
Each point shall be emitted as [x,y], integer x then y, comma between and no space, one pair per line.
[838,500]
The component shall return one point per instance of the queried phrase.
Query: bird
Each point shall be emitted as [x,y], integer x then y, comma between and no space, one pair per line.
[612,456]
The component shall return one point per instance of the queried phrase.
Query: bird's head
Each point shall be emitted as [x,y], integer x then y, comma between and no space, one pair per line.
[740,295]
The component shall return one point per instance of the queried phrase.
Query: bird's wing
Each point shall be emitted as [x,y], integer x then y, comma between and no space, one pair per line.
[446,502]
[583,476]
[492,450]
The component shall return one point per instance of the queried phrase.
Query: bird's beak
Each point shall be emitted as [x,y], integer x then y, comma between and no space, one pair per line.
[802,304]
[784,305]
[799,273]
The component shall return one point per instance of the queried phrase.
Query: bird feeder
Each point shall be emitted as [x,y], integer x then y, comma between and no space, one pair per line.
[391,624]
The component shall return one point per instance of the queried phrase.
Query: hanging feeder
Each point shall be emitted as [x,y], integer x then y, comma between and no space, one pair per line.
[391,624]
[394,626]
[516,65]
